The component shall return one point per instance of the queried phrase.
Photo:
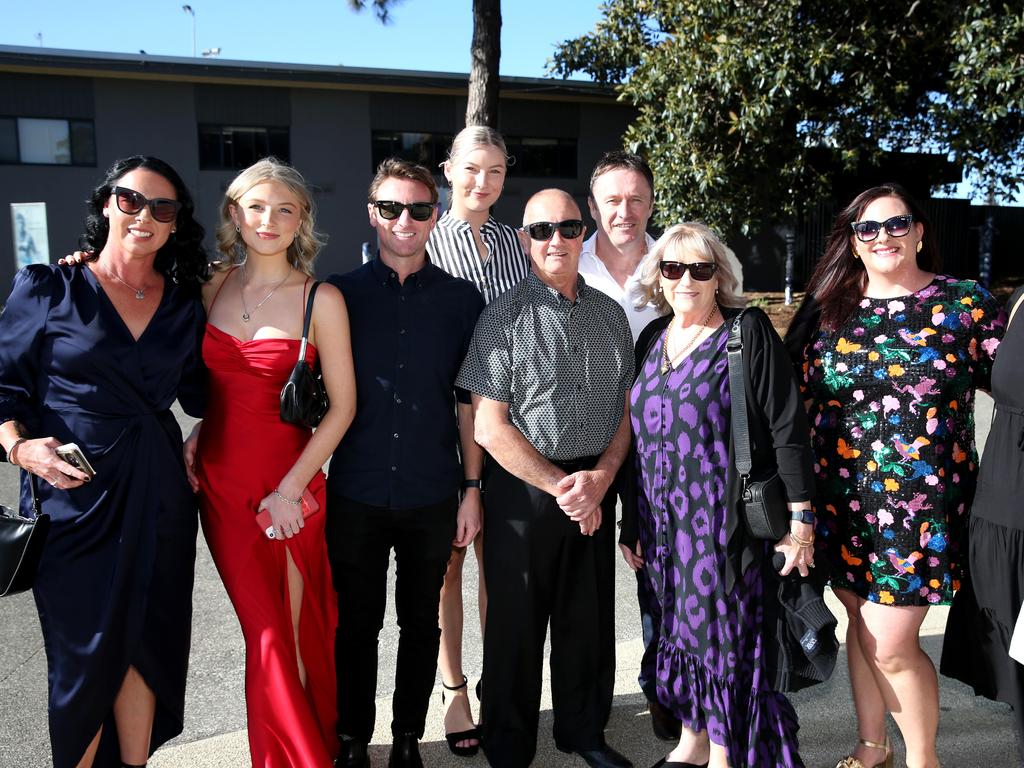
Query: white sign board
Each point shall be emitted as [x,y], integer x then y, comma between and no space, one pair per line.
[28,223]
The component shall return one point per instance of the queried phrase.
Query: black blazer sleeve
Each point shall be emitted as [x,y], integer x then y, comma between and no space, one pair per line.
[772,385]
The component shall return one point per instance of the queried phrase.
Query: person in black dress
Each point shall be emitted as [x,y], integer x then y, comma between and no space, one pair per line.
[95,354]
[984,612]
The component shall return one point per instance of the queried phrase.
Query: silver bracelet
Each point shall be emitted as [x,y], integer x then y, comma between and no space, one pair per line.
[286,500]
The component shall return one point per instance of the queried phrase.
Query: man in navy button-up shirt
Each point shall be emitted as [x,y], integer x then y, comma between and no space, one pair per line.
[395,478]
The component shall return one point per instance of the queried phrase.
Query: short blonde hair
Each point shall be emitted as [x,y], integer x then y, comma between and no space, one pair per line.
[691,238]
[307,243]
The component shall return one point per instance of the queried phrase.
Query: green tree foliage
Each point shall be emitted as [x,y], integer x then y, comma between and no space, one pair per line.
[748,108]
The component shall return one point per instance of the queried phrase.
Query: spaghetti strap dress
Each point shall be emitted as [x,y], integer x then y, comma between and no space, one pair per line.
[244,450]
[114,587]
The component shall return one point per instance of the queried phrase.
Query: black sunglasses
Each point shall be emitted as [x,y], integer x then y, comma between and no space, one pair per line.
[390,210]
[699,270]
[569,229]
[897,226]
[131,202]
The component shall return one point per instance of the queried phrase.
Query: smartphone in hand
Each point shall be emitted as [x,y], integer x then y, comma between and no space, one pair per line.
[72,454]
[310,506]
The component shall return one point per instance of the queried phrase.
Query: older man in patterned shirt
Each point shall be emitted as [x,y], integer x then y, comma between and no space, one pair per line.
[549,366]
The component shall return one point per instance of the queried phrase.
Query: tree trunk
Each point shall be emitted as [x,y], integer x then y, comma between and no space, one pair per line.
[485,52]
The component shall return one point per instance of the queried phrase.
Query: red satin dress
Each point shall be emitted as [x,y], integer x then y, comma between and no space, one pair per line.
[244,450]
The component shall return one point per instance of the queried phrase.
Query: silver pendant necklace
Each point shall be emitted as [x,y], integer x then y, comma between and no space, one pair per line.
[140,293]
[246,315]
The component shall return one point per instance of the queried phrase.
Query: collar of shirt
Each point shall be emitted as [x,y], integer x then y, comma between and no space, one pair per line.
[450,221]
[591,265]
[542,293]
[387,277]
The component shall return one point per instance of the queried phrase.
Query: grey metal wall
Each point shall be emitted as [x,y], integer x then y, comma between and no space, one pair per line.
[330,144]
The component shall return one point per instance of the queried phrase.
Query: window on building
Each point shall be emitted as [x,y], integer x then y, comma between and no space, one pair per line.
[534,156]
[42,141]
[234,147]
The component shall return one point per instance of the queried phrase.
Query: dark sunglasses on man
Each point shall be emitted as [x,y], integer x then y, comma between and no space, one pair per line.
[569,229]
[390,210]
[699,270]
[131,202]
[897,226]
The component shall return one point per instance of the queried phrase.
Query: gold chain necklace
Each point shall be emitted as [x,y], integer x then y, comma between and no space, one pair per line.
[669,361]
[241,289]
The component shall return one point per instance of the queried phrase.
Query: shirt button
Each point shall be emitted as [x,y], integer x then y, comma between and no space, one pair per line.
[394,468]
[398,399]
[403,298]
[401,366]
[401,331]
[396,435]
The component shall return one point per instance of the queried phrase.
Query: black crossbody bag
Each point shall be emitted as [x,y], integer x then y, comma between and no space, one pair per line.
[303,397]
[762,496]
[21,545]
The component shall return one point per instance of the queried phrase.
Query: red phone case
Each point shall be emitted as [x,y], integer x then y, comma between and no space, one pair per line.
[310,507]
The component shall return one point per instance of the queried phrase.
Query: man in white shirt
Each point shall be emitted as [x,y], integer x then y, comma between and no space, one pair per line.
[621,201]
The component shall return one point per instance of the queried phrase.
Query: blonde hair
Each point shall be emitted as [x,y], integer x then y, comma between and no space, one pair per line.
[477,136]
[307,243]
[691,238]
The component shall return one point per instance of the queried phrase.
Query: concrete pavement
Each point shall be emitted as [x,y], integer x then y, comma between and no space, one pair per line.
[973,732]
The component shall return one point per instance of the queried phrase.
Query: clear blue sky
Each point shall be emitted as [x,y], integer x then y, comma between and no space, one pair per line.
[429,35]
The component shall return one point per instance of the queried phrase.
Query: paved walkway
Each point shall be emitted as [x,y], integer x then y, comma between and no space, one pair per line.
[973,732]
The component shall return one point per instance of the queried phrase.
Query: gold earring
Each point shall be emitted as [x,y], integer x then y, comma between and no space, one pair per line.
[920,245]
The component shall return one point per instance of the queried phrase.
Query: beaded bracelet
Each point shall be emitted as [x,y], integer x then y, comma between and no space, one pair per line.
[285,499]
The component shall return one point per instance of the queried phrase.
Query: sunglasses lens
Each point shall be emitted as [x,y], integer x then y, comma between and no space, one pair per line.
[570,229]
[542,230]
[898,226]
[129,201]
[388,210]
[866,231]
[672,270]
[420,211]
[164,211]
[703,270]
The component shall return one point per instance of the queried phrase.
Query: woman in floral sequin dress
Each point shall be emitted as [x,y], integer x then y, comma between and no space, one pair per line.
[890,369]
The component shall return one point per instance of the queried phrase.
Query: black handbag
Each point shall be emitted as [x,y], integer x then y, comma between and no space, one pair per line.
[303,397]
[762,495]
[21,545]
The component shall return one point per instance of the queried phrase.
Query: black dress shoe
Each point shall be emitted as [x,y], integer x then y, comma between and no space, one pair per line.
[666,763]
[605,757]
[405,752]
[664,724]
[352,755]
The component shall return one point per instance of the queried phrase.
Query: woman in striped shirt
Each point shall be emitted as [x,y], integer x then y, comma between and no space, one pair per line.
[469,243]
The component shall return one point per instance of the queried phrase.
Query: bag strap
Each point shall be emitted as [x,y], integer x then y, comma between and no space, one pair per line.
[738,399]
[305,323]
[35,498]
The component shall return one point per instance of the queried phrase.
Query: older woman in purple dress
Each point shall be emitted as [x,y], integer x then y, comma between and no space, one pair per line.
[705,570]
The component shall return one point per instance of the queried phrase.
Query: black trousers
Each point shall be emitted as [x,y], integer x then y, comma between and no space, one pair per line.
[540,568]
[359,542]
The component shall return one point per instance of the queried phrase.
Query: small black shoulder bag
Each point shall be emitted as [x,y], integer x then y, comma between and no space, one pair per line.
[303,397]
[762,496]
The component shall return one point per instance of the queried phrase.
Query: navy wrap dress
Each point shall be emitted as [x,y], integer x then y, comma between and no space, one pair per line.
[114,587]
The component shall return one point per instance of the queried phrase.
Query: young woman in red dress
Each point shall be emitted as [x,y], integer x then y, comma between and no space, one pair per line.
[243,459]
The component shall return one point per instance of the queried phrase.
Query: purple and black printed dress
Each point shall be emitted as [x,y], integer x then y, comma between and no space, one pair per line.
[709,666]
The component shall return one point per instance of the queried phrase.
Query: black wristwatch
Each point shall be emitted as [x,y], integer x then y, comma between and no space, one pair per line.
[803,515]
[467,484]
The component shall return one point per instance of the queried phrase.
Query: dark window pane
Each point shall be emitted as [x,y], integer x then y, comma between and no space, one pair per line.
[235,147]
[8,140]
[83,142]
[537,156]
[427,149]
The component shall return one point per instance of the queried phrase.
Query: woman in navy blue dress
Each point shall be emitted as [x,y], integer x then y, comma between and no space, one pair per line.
[95,354]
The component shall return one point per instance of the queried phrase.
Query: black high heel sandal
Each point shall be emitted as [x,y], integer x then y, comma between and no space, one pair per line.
[453,739]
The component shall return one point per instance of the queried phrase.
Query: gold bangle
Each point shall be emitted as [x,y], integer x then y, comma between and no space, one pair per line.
[803,543]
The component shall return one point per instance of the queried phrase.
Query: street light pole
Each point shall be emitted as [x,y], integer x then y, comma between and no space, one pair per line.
[188,9]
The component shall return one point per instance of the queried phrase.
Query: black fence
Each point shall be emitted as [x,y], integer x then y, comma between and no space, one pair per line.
[956,223]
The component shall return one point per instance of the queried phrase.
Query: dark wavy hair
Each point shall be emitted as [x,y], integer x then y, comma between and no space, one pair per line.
[839,280]
[183,258]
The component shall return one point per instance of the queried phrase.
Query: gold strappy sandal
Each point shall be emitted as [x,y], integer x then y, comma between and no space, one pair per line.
[853,762]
